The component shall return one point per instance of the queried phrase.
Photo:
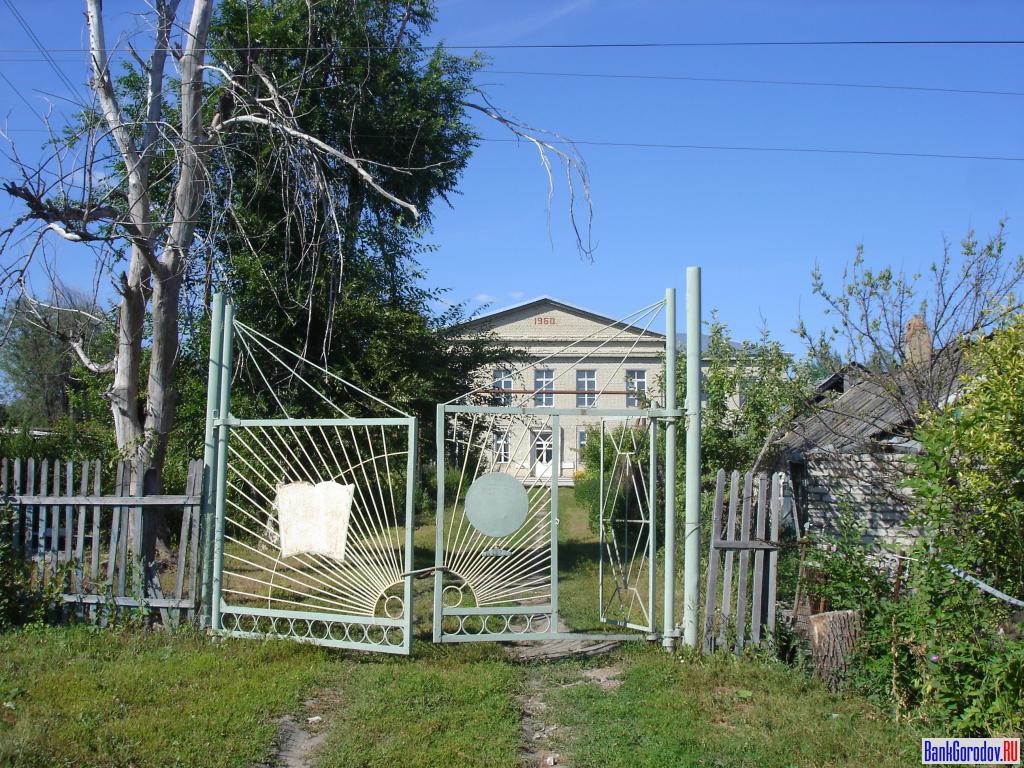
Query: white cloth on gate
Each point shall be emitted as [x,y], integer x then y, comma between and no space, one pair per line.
[313,519]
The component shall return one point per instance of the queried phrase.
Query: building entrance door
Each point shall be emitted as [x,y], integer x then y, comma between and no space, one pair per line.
[543,451]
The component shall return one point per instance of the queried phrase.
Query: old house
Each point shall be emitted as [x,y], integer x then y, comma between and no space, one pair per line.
[850,450]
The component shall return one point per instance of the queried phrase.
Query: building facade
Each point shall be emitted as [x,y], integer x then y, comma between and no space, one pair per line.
[567,357]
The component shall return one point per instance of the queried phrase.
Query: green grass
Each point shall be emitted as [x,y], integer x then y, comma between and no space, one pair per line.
[717,712]
[80,697]
[452,707]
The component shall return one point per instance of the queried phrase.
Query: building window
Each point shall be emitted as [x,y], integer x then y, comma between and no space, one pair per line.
[586,388]
[636,388]
[581,441]
[543,387]
[501,449]
[502,381]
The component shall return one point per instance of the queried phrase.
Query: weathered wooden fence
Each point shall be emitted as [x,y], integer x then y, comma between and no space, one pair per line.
[92,541]
[758,515]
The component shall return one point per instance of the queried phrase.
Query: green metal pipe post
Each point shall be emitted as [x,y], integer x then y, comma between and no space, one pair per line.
[556,471]
[669,631]
[210,449]
[439,526]
[691,533]
[222,464]
[411,473]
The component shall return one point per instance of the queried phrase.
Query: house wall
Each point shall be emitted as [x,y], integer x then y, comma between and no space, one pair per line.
[826,484]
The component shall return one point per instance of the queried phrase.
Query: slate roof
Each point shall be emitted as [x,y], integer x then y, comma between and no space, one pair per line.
[877,408]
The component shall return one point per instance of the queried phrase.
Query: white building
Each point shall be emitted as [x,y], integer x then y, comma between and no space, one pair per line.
[571,358]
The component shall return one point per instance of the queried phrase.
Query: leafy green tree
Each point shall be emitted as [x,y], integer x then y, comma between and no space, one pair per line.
[968,481]
[750,392]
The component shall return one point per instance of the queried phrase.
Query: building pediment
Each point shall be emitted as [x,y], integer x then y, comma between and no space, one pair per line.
[547,318]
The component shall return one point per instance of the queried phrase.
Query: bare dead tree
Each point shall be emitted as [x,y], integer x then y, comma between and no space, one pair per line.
[133,188]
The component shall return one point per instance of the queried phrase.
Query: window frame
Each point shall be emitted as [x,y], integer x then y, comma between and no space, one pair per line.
[502,448]
[501,379]
[633,391]
[543,387]
[586,396]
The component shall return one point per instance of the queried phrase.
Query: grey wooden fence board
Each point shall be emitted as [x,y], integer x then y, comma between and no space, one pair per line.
[711,589]
[80,532]
[115,531]
[183,539]
[69,521]
[26,542]
[730,535]
[55,518]
[741,579]
[132,602]
[15,520]
[122,549]
[197,529]
[757,597]
[94,565]
[44,478]
[773,557]
[138,575]
[752,545]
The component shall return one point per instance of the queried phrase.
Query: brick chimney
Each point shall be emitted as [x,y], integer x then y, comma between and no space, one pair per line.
[917,342]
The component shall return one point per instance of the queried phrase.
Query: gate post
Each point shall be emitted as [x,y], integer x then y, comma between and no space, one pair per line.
[670,633]
[439,525]
[691,535]
[222,465]
[209,455]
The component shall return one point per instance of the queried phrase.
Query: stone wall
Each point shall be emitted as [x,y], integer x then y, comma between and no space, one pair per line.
[867,484]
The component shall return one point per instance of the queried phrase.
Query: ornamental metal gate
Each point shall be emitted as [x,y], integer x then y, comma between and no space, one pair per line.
[332,568]
[500,461]
[312,518]
[628,533]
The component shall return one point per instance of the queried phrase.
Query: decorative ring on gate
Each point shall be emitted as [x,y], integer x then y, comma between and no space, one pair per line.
[452,590]
[390,609]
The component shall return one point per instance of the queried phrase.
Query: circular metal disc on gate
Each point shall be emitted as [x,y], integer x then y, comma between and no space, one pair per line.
[496,504]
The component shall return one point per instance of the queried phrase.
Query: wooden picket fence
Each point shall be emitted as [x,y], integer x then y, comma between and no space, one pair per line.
[731,600]
[92,541]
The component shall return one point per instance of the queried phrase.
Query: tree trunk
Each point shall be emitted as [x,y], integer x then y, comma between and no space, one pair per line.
[833,635]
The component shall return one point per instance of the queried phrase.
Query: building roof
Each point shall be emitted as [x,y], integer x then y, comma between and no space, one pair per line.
[874,408]
[550,301]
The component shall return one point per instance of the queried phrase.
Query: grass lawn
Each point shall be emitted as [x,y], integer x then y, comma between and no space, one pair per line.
[75,696]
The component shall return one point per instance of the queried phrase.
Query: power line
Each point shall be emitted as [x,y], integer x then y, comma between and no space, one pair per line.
[745,148]
[22,97]
[688,78]
[705,147]
[572,46]
[40,47]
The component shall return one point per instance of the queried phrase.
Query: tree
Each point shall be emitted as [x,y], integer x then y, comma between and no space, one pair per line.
[141,181]
[905,332]
[750,391]
[43,378]
[968,481]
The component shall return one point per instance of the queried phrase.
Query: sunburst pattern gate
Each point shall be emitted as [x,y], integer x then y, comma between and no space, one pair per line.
[498,468]
[283,575]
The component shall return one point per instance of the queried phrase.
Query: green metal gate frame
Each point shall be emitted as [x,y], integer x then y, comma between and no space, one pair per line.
[527,614]
[327,628]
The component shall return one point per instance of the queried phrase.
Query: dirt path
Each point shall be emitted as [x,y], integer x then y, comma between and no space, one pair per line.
[539,727]
[299,737]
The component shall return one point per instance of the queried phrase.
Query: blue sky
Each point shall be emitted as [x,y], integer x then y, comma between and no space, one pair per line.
[756,222]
